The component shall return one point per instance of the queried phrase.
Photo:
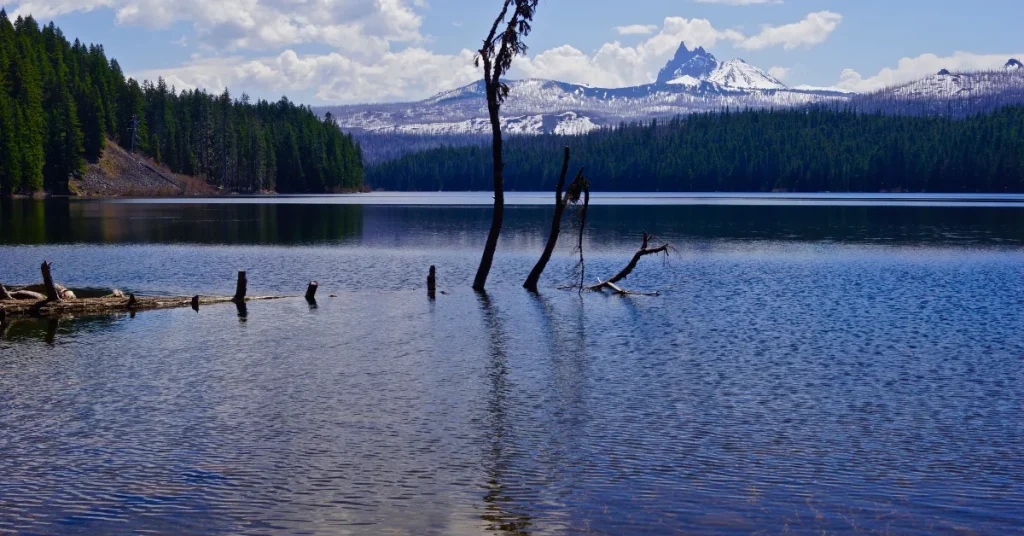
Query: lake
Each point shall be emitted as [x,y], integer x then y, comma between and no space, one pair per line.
[824,363]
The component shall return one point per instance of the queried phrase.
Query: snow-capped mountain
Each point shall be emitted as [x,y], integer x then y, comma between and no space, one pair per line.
[693,81]
[695,64]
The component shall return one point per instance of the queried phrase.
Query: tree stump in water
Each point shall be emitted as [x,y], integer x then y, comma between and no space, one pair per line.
[432,282]
[241,288]
[52,295]
[133,303]
[195,303]
[311,291]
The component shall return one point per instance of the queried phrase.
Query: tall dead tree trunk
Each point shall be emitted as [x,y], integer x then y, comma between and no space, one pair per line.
[556,226]
[496,56]
[52,295]
[579,186]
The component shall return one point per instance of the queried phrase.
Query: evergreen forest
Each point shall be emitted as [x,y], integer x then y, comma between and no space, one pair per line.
[62,102]
[810,150]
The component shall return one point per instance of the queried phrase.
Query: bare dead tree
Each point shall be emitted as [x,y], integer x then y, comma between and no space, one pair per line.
[645,250]
[579,187]
[496,55]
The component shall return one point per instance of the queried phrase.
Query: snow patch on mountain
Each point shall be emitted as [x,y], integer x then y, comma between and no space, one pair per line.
[741,75]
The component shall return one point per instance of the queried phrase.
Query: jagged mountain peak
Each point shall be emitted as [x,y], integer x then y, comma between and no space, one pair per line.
[697,63]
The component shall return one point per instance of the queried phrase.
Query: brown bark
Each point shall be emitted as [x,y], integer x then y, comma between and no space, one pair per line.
[240,288]
[556,226]
[52,294]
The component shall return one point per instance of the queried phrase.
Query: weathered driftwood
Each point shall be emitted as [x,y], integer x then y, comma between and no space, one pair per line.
[40,288]
[644,251]
[91,306]
[20,295]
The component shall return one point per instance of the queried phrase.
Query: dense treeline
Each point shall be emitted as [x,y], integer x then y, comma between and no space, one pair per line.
[751,151]
[60,102]
[383,146]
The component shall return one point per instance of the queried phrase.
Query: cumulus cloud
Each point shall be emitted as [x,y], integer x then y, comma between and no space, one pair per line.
[813,30]
[364,27]
[637,29]
[779,73]
[335,78]
[739,2]
[910,69]
[617,65]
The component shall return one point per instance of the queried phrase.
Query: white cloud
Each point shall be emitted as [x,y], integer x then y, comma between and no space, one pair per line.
[739,2]
[910,69]
[637,29]
[616,65]
[813,30]
[364,27]
[779,73]
[334,77]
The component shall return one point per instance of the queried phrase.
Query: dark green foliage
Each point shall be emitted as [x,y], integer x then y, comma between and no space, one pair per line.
[752,151]
[60,102]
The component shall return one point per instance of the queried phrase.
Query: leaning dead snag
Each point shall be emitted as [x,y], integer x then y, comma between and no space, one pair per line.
[644,251]
[52,294]
[572,196]
[496,54]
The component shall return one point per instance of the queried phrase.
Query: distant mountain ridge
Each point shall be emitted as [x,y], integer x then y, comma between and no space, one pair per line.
[694,80]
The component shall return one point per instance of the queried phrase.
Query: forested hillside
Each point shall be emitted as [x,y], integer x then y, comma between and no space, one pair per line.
[60,102]
[752,151]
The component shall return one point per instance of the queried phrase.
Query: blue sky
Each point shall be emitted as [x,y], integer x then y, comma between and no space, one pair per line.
[343,51]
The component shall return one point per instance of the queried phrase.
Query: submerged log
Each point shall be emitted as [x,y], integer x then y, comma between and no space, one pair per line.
[52,294]
[99,306]
[241,288]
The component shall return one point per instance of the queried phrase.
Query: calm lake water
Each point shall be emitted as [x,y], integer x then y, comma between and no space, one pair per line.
[849,364]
